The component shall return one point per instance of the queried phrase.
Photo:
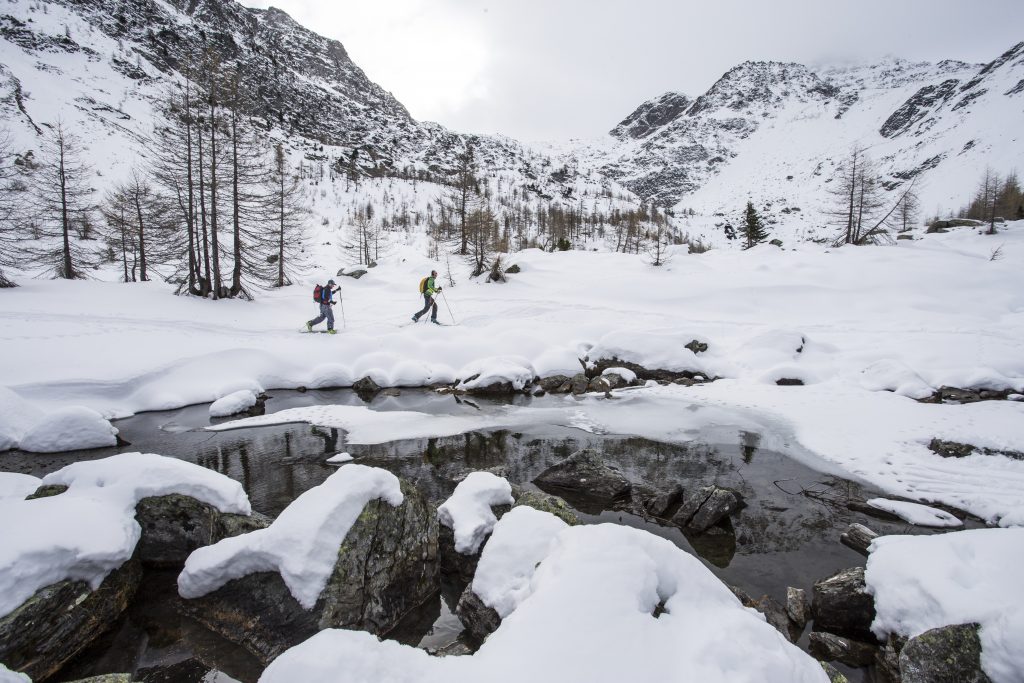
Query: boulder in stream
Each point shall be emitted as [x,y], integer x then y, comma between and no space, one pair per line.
[843,606]
[706,507]
[949,654]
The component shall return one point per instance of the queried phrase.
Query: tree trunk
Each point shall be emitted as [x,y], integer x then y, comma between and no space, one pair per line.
[142,235]
[64,218]
[214,242]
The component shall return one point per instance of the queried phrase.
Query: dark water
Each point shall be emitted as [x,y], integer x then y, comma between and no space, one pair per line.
[783,537]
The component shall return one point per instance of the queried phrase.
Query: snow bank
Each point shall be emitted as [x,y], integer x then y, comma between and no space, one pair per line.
[468,511]
[924,582]
[340,458]
[521,539]
[655,350]
[625,373]
[17,486]
[301,544]
[233,403]
[921,515]
[588,617]
[90,529]
[515,370]
[892,375]
[25,426]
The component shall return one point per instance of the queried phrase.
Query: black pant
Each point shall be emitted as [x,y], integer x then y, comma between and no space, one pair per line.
[428,302]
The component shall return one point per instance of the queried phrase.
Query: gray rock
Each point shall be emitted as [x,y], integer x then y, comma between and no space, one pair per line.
[461,566]
[548,503]
[775,614]
[386,567]
[106,678]
[706,507]
[842,605]
[513,269]
[59,621]
[833,648]
[858,537]
[366,387]
[357,273]
[950,449]
[579,383]
[479,619]
[599,385]
[47,491]
[697,346]
[585,473]
[796,606]
[173,526]
[950,654]
[834,675]
[598,366]
[553,384]
[660,504]
[614,380]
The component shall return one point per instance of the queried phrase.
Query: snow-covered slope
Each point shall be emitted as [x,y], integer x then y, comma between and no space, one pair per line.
[775,133]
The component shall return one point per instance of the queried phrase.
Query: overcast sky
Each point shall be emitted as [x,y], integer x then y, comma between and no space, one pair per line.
[555,69]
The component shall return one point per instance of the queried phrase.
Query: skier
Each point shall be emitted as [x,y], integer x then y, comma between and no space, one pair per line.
[326,300]
[428,288]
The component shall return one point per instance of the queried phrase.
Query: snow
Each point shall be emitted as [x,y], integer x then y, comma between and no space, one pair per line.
[625,373]
[233,403]
[914,513]
[90,529]
[26,426]
[17,486]
[522,538]
[301,544]
[514,370]
[8,676]
[588,616]
[924,582]
[468,511]
[340,458]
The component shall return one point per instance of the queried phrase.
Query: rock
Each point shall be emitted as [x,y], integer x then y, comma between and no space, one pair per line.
[598,367]
[357,273]
[175,525]
[775,614]
[366,387]
[833,648]
[789,382]
[706,507]
[456,649]
[797,609]
[585,473]
[59,621]
[950,654]
[697,346]
[461,566]
[47,491]
[956,395]
[950,449]
[842,605]
[494,389]
[579,383]
[614,380]
[386,567]
[871,511]
[660,504]
[547,503]
[775,242]
[513,269]
[186,670]
[904,237]
[834,676]
[554,384]
[599,385]
[108,678]
[858,537]
[479,619]
[887,659]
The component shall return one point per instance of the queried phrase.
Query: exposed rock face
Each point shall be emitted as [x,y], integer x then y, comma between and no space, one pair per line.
[652,115]
[175,525]
[59,621]
[579,383]
[386,566]
[479,619]
[918,106]
[706,507]
[585,473]
[950,654]
[842,605]
[833,648]
[547,503]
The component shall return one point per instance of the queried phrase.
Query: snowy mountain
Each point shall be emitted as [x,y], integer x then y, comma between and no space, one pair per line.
[775,132]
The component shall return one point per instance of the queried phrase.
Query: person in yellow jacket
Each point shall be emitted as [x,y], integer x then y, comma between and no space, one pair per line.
[428,288]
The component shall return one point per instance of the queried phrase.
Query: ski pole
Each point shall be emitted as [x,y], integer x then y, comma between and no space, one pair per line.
[344,325]
[448,307]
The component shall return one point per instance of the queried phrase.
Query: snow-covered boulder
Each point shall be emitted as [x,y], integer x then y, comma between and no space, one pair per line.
[649,355]
[921,583]
[17,486]
[496,375]
[466,519]
[606,604]
[234,403]
[69,563]
[358,551]
[69,429]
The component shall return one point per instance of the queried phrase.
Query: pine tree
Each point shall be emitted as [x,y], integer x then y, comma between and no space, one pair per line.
[62,204]
[12,202]
[753,229]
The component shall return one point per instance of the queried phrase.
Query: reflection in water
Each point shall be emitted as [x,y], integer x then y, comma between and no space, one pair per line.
[781,538]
